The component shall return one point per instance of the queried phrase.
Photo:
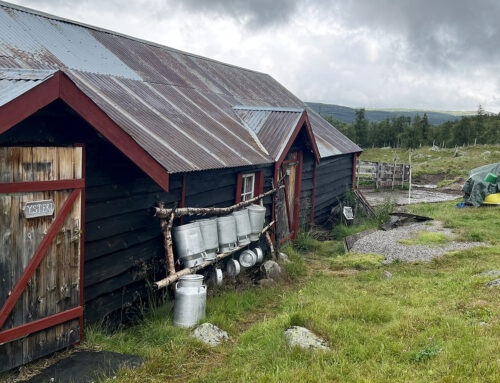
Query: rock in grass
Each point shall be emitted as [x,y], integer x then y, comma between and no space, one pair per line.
[386,275]
[489,273]
[494,283]
[283,258]
[266,282]
[210,334]
[297,336]
[271,270]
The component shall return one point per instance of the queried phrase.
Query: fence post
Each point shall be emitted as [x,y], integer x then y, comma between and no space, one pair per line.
[393,174]
[377,176]
[403,169]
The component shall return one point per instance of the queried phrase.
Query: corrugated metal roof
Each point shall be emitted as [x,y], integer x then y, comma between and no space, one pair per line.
[14,83]
[273,126]
[176,105]
[329,140]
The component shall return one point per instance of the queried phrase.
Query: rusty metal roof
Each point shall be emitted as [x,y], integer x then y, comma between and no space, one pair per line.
[177,106]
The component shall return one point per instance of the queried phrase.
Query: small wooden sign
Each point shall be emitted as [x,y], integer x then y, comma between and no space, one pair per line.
[35,209]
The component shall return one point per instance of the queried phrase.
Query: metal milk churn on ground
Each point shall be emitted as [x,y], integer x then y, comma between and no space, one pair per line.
[190,300]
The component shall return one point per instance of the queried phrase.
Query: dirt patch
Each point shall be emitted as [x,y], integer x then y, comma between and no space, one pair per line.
[429,179]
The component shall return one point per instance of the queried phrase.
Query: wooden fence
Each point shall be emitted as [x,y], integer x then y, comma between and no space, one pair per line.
[382,174]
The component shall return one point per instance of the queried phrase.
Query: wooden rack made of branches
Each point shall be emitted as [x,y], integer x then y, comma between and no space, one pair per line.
[167,216]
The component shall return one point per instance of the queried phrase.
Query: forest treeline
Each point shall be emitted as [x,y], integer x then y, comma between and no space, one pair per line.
[406,132]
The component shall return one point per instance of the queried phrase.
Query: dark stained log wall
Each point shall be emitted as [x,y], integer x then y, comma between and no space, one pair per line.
[306,190]
[333,177]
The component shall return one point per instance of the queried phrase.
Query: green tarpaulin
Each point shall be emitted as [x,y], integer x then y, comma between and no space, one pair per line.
[476,189]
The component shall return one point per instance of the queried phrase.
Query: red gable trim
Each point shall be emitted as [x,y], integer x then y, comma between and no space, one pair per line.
[60,86]
[303,121]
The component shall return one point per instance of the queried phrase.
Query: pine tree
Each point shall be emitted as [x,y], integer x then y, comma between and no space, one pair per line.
[361,128]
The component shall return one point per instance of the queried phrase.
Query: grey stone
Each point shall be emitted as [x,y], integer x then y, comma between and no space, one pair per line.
[485,153]
[266,282]
[210,334]
[386,275]
[489,273]
[271,270]
[496,282]
[282,257]
[483,324]
[297,336]
[435,148]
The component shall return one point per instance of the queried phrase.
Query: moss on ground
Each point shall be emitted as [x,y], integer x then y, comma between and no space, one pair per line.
[426,238]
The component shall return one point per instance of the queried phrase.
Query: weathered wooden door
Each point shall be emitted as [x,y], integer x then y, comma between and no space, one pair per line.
[41,251]
[291,173]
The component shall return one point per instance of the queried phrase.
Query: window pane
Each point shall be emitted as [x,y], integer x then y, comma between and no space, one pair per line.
[247,187]
[248,184]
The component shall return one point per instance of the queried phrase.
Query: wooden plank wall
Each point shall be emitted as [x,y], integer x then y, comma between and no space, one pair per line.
[333,177]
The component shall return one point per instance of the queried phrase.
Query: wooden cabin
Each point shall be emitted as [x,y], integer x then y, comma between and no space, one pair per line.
[95,129]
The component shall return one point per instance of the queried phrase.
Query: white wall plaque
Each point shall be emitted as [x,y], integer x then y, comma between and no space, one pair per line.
[36,209]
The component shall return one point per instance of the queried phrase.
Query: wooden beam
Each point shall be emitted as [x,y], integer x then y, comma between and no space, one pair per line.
[180,212]
[38,186]
[40,324]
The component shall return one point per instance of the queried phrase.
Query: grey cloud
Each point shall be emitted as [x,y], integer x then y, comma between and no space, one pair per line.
[440,33]
[252,13]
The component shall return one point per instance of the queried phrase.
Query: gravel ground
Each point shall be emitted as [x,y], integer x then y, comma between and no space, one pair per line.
[386,243]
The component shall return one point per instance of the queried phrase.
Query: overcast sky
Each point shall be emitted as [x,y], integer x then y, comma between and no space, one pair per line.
[433,54]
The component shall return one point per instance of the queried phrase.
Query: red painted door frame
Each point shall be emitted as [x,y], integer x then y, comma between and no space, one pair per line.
[78,188]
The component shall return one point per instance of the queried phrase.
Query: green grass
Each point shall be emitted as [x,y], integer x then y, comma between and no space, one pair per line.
[426,161]
[471,224]
[430,322]
[357,261]
[426,238]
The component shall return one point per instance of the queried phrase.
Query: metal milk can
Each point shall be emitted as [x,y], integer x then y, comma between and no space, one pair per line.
[190,300]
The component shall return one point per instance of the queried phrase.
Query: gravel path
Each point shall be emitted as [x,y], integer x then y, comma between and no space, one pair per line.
[386,243]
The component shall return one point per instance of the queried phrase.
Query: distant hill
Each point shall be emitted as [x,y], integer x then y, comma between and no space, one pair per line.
[346,114]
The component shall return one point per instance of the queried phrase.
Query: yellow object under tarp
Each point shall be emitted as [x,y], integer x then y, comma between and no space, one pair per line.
[492,199]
